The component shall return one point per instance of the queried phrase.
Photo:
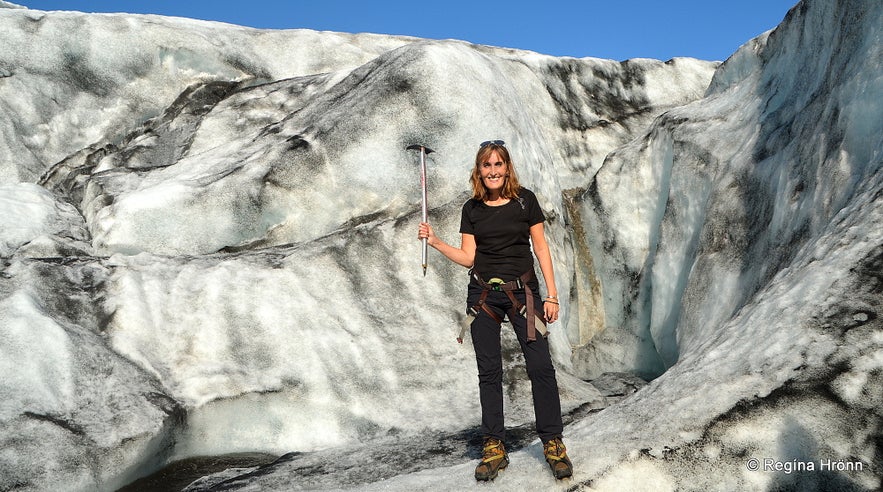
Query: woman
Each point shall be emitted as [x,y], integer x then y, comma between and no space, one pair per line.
[497,227]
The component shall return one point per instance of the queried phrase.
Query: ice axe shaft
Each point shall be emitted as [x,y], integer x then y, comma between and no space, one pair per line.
[424,150]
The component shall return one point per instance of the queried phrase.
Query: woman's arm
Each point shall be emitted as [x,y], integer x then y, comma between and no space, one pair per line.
[464,255]
[541,250]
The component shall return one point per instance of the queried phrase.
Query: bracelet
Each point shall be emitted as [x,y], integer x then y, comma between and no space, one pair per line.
[551,302]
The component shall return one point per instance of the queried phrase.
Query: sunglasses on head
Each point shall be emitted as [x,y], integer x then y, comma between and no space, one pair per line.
[491,142]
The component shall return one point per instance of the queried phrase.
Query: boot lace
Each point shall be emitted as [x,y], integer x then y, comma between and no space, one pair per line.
[493,450]
[555,450]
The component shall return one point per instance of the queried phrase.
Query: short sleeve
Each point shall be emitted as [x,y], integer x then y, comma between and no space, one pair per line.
[466,225]
[532,206]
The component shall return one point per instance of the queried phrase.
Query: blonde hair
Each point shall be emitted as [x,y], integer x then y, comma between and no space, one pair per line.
[511,187]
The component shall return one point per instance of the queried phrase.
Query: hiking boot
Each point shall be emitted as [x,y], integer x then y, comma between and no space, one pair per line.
[493,459]
[556,456]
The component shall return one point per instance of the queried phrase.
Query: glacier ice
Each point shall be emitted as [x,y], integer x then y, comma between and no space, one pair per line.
[37,223]
[73,411]
[207,247]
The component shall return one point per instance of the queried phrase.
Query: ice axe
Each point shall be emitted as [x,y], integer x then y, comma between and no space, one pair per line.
[423,151]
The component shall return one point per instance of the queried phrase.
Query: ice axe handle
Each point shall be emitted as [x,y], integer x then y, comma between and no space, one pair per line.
[423,151]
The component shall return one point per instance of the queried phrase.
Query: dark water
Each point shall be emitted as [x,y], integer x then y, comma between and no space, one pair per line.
[179,474]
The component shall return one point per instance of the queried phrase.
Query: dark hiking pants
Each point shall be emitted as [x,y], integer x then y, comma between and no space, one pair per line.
[486,341]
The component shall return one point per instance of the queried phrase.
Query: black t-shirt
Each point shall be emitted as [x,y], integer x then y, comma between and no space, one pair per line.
[502,234]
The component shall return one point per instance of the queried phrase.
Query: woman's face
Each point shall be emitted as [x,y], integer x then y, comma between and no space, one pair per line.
[493,172]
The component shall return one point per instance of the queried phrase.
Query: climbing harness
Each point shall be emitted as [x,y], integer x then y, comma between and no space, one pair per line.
[526,309]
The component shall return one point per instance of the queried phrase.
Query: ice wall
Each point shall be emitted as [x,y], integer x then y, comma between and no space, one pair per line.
[743,246]
[75,415]
[232,213]
[68,80]
[208,247]
[721,194]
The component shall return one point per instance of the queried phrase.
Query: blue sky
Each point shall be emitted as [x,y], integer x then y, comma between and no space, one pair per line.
[616,29]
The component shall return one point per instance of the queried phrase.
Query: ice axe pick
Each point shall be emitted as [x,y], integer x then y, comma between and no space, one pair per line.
[424,150]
